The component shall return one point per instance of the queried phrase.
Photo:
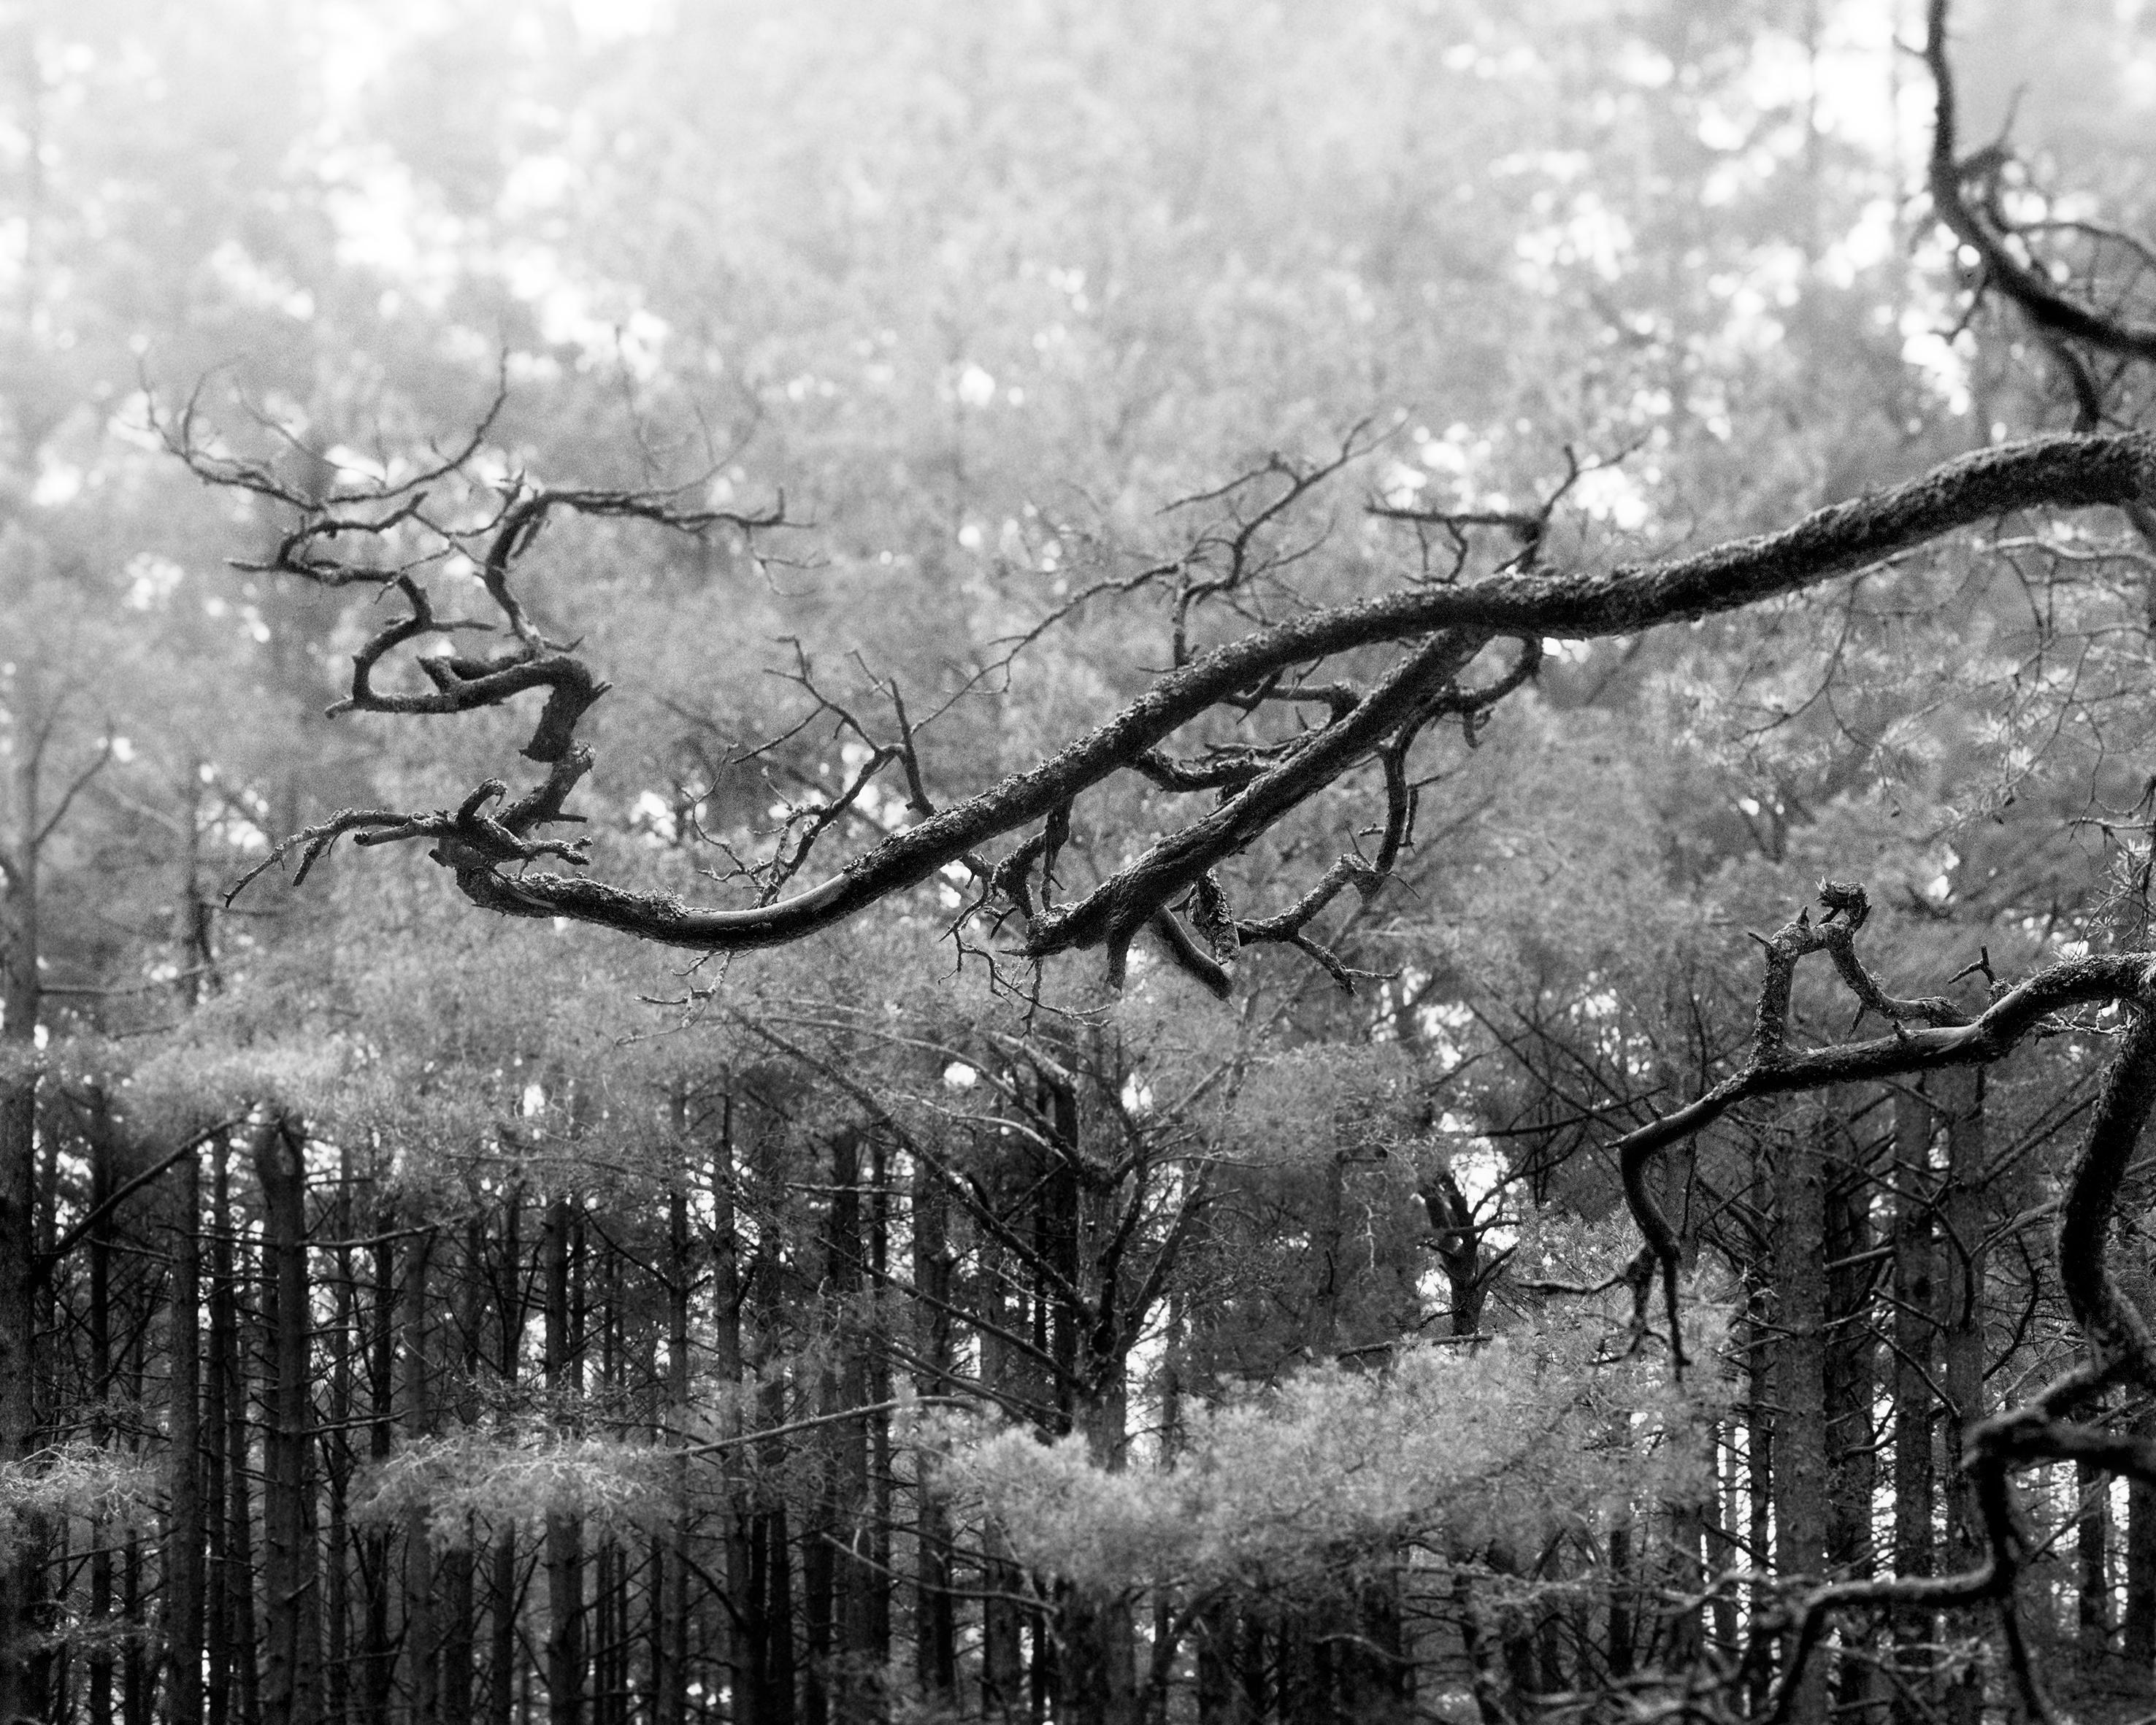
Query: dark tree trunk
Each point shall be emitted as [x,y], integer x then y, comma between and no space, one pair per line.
[216,1395]
[1002,1662]
[744,1628]
[1459,1245]
[501,1564]
[236,1567]
[773,1561]
[185,1526]
[288,1569]
[380,1652]
[459,1627]
[1916,1410]
[454,1567]
[21,1695]
[670,1640]
[836,1578]
[610,1582]
[336,1460]
[1225,1649]
[100,1663]
[745,1633]
[1801,1474]
[1851,1369]
[1618,1652]
[421,1651]
[877,1575]
[2138,1626]
[935,1620]
[565,1573]
[1962,1332]
[138,1680]
[2093,1559]
[1759,1466]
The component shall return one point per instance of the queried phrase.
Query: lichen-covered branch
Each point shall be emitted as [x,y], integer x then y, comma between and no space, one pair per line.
[1443,627]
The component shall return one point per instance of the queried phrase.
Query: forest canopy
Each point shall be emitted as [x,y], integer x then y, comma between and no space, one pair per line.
[1205,863]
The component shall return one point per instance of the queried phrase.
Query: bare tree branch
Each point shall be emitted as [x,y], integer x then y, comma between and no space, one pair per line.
[1452,625]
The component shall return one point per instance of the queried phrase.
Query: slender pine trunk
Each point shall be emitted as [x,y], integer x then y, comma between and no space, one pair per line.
[20,1689]
[501,1562]
[935,1624]
[741,1629]
[379,1650]
[1851,1369]
[1801,1481]
[669,1642]
[457,1565]
[1962,1223]
[99,1665]
[186,1527]
[336,1556]
[216,1395]
[1915,1330]
[289,1577]
[421,1651]
[565,1569]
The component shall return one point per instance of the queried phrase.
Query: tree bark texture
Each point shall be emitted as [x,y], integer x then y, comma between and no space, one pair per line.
[1800,1460]
[289,1571]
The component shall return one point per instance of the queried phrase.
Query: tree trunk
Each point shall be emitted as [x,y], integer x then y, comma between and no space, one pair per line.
[2138,1626]
[186,1527]
[1801,1479]
[610,1580]
[744,1628]
[1097,1672]
[670,1644]
[421,1649]
[565,1575]
[836,1578]
[237,1569]
[502,1628]
[1760,1361]
[101,1150]
[772,1564]
[1851,1369]
[288,1567]
[501,1572]
[457,1574]
[2093,1562]
[1459,1247]
[1002,1663]
[381,1644]
[1915,1331]
[935,1620]
[878,1574]
[216,1395]
[20,1696]
[337,1557]
[1962,1223]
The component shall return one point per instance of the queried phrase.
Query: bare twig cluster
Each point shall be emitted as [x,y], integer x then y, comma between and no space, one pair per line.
[1929,1033]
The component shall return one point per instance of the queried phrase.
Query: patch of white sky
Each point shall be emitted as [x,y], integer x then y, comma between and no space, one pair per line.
[386,222]
[1857,88]
[1855,85]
